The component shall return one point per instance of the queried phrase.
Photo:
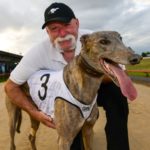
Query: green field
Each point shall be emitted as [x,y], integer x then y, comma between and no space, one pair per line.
[144,65]
[3,79]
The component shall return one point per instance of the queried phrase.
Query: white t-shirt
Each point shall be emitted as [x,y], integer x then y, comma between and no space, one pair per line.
[42,56]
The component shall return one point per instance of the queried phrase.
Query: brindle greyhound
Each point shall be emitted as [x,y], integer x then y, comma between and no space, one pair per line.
[100,54]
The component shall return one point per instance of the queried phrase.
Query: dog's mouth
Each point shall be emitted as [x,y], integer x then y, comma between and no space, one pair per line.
[120,78]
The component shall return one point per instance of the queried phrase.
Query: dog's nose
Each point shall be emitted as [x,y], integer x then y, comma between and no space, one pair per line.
[135,59]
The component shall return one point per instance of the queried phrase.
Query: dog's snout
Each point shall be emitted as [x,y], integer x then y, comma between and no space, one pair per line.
[135,59]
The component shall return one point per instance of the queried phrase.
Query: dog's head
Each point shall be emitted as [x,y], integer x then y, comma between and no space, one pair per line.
[105,51]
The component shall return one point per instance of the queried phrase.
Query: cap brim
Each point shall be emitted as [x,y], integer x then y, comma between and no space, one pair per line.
[65,20]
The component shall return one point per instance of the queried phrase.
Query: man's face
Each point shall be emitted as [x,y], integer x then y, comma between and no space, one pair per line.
[63,35]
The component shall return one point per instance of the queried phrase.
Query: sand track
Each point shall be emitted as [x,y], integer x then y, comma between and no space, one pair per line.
[139,126]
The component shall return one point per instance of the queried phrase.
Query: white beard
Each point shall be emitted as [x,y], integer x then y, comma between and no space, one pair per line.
[61,39]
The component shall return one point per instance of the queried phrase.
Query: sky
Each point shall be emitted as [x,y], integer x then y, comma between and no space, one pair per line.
[21,21]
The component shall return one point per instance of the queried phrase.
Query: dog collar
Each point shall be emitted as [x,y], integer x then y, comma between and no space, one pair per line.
[87,68]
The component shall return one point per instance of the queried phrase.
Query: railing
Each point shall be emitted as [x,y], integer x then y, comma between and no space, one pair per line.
[4,74]
[146,72]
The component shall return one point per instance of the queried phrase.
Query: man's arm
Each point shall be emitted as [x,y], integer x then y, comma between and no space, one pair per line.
[18,97]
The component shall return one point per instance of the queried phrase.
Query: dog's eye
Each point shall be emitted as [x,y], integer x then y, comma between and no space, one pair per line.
[120,38]
[104,41]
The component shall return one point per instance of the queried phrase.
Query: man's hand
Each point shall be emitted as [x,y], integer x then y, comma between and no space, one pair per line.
[43,118]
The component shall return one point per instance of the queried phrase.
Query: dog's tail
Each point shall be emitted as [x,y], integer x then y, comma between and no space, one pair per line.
[18,119]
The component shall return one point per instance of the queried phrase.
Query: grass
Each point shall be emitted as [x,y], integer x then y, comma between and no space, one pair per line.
[3,78]
[144,65]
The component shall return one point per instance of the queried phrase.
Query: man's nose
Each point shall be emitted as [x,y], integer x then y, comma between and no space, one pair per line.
[62,32]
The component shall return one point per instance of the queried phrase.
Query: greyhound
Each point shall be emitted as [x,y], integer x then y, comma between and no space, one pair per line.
[101,54]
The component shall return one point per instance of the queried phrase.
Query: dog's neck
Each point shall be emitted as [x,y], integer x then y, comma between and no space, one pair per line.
[91,71]
[80,81]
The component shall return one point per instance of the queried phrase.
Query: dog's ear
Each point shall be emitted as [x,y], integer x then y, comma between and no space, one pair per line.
[84,40]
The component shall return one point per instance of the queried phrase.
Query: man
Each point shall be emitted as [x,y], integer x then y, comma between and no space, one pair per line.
[54,53]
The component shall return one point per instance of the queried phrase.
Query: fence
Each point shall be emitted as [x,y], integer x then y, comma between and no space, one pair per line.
[146,72]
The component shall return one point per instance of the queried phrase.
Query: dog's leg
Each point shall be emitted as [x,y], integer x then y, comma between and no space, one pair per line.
[12,114]
[63,144]
[68,121]
[12,130]
[32,135]
[87,129]
[87,133]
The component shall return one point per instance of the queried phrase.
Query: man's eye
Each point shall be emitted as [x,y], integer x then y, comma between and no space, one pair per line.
[67,24]
[53,28]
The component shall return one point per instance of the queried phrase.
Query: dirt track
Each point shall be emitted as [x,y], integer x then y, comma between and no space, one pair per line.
[139,126]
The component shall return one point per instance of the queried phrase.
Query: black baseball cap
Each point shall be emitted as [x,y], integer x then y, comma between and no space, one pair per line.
[58,12]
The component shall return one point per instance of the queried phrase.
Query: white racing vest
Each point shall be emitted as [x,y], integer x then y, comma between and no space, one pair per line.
[45,86]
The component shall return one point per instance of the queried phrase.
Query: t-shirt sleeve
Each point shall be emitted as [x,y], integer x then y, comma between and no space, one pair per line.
[27,66]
